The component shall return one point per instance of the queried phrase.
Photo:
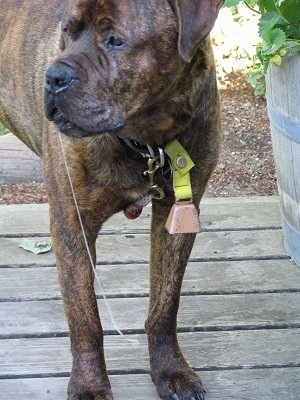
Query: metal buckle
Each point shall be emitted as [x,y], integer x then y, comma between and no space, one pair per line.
[154,163]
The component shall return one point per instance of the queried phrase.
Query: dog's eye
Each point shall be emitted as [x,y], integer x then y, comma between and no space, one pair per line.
[73,28]
[66,31]
[114,43]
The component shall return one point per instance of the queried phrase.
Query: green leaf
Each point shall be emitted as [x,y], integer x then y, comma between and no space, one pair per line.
[231,3]
[3,130]
[36,247]
[256,78]
[276,40]
[267,23]
[267,5]
[251,3]
[290,9]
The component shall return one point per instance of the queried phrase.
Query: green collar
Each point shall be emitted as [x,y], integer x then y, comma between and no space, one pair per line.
[181,164]
[183,217]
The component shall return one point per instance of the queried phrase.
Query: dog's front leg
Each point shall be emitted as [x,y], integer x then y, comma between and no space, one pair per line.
[170,372]
[89,380]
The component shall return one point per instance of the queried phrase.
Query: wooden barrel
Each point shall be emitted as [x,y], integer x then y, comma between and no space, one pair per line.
[283,100]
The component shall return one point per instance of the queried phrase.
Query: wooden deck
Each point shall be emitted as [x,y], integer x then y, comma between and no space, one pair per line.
[239,319]
[18,163]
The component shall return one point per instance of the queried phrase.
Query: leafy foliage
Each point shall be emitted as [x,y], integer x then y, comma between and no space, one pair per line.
[3,130]
[279,30]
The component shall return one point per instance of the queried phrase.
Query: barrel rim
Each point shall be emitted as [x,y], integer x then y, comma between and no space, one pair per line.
[287,126]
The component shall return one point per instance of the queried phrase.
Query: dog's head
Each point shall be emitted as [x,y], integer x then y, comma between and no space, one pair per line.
[119,59]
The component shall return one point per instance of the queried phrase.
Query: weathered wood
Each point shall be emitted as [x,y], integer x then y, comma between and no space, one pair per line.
[247,344]
[263,384]
[283,95]
[18,163]
[132,248]
[238,349]
[216,214]
[20,284]
[196,313]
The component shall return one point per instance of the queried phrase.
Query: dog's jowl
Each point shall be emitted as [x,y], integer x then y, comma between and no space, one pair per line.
[128,89]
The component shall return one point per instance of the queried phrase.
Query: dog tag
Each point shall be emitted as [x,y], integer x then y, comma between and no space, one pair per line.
[183,218]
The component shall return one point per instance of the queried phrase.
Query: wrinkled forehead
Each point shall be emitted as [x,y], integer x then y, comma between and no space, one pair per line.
[128,15]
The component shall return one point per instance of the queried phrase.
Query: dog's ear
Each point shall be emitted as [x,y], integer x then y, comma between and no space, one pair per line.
[196,18]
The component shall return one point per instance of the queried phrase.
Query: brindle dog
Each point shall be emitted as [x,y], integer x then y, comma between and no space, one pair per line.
[109,70]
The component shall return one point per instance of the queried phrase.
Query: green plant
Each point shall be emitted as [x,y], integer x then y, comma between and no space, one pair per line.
[279,30]
[3,130]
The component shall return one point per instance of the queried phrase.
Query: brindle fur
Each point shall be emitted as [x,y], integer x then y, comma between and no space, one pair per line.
[160,86]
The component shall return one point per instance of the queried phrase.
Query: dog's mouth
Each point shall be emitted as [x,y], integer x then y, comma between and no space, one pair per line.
[77,130]
[62,122]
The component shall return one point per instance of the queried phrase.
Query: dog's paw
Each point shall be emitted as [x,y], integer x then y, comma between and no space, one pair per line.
[185,385]
[89,380]
[91,395]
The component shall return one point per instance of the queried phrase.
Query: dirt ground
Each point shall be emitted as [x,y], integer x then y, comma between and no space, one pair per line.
[246,164]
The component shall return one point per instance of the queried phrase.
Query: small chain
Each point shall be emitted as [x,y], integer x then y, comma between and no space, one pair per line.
[155,163]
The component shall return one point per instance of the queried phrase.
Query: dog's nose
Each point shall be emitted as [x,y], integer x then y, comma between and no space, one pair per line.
[58,78]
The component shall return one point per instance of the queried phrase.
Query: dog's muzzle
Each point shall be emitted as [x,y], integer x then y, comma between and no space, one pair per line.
[62,104]
[58,78]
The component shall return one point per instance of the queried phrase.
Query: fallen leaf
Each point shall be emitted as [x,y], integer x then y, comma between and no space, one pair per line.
[36,247]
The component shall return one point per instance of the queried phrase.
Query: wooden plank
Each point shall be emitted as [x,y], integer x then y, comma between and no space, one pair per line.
[24,219]
[133,279]
[133,248]
[196,313]
[226,214]
[203,350]
[263,384]
[18,163]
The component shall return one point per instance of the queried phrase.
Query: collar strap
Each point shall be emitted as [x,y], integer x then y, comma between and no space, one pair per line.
[183,217]
[181,164]
[180,160]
